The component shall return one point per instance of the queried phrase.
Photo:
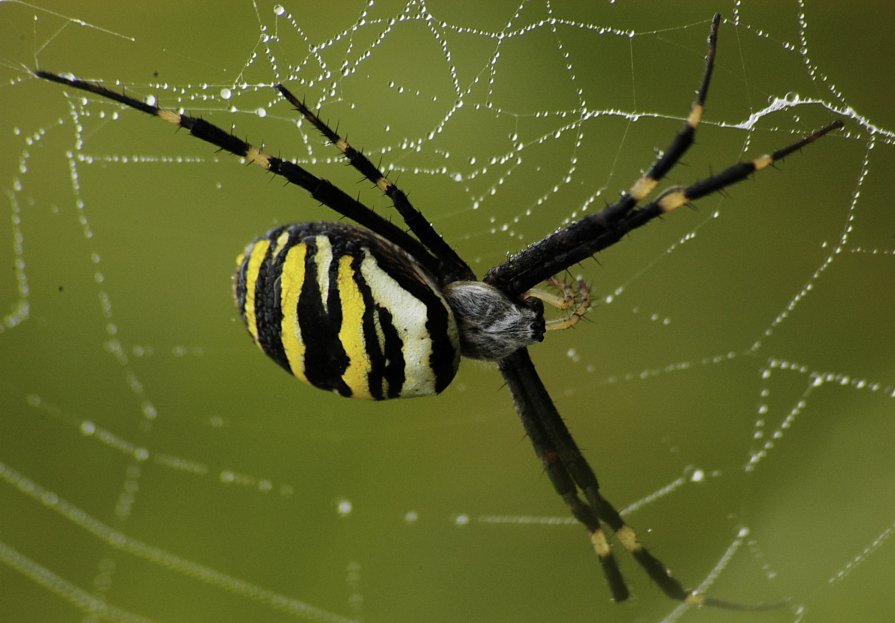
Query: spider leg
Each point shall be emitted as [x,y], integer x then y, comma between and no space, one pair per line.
[570,472]
[454,266]
[595,232]
[674,198]
[679,146]
[320,189]
[503,276]
[556,445]
[535,409]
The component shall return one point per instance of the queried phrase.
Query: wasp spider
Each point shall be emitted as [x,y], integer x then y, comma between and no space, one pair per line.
[368,310]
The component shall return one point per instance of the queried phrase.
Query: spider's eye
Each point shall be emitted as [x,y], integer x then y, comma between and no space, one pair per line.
[346,310]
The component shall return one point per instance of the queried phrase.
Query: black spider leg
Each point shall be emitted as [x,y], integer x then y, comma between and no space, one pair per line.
[454,267]
[569,471]
[559,455]
[320,189]
[592,234]
[674,198]
[520,273]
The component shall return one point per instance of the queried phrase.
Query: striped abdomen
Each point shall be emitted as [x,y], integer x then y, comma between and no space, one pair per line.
[345,310]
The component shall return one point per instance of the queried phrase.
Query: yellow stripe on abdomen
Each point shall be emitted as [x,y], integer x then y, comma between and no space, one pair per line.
[292,278]
[351,333]
[256,258]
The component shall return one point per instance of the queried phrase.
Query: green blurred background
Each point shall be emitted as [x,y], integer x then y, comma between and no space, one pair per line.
[153,460]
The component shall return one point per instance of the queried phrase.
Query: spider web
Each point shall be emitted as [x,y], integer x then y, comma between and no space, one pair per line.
[734,387]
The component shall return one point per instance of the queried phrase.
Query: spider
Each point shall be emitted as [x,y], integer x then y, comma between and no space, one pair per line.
[370,310]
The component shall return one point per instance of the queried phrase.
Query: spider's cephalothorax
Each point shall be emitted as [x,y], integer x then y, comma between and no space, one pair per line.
[377,312]
[491,325]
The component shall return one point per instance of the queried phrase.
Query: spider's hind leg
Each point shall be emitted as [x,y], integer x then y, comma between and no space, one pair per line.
[454,267]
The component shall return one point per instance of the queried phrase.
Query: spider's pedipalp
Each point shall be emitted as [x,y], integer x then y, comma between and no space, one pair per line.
[577,298]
